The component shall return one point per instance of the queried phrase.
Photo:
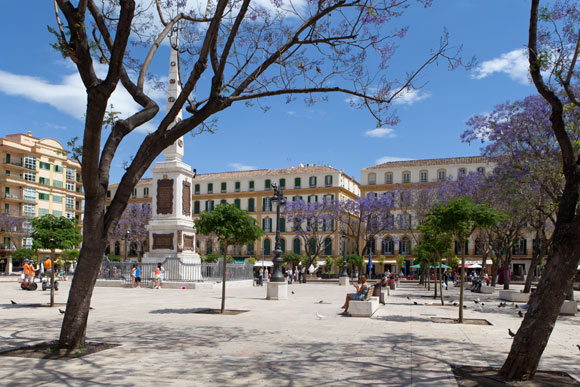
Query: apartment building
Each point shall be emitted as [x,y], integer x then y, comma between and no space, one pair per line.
[37,178]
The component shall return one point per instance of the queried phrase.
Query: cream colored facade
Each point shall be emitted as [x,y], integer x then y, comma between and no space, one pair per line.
[37,178]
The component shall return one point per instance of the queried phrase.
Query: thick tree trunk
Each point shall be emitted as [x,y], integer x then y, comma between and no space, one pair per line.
[494,271]
[223,308]
[536,257]
[506,276]
[74,325]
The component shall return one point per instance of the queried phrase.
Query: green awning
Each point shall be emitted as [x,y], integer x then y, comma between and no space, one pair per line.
[239,260]
[417,266]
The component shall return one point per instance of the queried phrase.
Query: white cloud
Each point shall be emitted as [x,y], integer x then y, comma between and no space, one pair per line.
[241,167]
[514,63]
[388,159]
[410,96]
[381,133]
[291,112]
[69,96]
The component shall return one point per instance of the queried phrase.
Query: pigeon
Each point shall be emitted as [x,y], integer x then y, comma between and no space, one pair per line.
[415,302]
[517,306]
[408,298]
[520,313]
[482,304]
[292,291]
[455,304]
[321,302]
[477,300]
[61,311]
[319,316]
[511,333]
[13,302]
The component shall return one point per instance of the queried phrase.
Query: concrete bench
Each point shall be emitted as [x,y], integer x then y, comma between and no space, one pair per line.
[363,308]
[569,308]
[487,289]
[514,296]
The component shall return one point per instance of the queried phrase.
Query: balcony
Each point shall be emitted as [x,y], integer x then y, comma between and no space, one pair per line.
[15,163]
[11,196]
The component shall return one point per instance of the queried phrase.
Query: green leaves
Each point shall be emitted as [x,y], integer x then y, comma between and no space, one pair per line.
[51,232]
[230,224]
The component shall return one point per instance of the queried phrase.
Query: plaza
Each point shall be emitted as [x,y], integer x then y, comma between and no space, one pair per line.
[301,341]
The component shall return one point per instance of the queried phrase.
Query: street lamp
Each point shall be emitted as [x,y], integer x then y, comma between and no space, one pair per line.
[277,275]
[344,273]
[126,238]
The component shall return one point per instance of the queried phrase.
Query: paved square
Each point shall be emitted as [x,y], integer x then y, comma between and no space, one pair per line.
[276,343]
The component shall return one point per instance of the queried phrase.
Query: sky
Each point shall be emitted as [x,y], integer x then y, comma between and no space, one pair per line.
[40,92]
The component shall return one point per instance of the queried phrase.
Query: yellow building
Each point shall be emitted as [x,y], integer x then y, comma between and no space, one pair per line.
[37,179]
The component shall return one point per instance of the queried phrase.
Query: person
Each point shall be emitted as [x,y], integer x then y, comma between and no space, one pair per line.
[486,279]
[361,292]
[137,276]
[303,272]
[25,273]
[157,277]
[133,270]
[290,276]
[446,278]
[261,277]
[384,281]
[47,266]
[266,275]
[32,269]
[162,277]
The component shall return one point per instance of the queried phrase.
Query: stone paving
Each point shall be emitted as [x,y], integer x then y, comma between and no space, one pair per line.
[276,343]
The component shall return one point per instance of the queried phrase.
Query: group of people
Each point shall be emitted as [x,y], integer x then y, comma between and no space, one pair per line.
[158,276]
[290,275]
[30,270]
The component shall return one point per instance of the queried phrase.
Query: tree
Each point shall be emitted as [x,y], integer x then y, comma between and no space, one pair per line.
[24,253]
[291,258]
[132,226]
[236,51]
[231,226]
[51,232]
[556,50]
[460,217]
[436,243]
[13,227]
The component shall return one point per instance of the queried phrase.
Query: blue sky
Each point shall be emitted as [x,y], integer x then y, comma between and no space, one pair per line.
[39,92]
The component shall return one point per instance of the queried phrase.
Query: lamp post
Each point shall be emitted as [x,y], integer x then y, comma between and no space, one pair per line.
[126,238]
[277,275]
[343,280]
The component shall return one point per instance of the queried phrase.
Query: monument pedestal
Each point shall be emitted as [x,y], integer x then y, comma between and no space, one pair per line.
[343,281]
[277,291]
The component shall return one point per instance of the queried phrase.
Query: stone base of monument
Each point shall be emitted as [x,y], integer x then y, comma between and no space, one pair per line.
[343,281]
[277,291]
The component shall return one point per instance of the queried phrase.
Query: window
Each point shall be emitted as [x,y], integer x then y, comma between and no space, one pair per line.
[282,225]
[312,198]
[43,196]
[57,213]
[29,210]
[327,246]
[237,203]
[196,207]
[441,175]
[479,247]
[42,211]
[406,177]
[481,170]
[70,174]
[282,244]
[209,188]
[520,247]
[267,225]
[70,186]
[388,178]
[44,180]
[458,250]
[296,198]
[45,166]
[108,195]
[146,192]
[372,179]
[250,248]
[328,180]
[58,168]
[237,186]
[209,205]
[388,246]
[30,194]
[208,247]
[297,182]
[70,203]
[282,183]
[27,243]
[223,201]
[423,176]
[312,246]
[312,181]
[267,184]
[267,204]
[224,187]
[77,205]
[267,247]
[29,176]
[30,162]
[196,189]
[251,186]
[407,224]
[57,183]
[251,205]
[405,246]
[328,225]
[134,193]
[296,246]
[461,172]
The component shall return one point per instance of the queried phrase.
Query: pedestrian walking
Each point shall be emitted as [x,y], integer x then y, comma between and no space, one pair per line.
[133,270]
[266,275]
[137,276]
[261,277]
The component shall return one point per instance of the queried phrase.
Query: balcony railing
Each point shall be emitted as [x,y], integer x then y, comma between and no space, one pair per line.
[14,162]
[12,196]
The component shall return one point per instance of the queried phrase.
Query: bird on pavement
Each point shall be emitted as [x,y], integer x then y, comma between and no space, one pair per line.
[415,302]
[517,306]
[319,316]
[292,291]
[61,311]
[408,298]
[520,313]
[511,333]
[477,300]
[321,302]
[455,304]
[13,302]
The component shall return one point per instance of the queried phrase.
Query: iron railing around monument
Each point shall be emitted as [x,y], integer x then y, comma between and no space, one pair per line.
[177,271]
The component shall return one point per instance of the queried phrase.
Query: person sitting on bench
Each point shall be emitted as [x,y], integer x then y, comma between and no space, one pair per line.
[360,295]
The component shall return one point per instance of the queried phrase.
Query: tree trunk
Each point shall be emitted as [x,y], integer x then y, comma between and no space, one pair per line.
[435,284]
[74,325]
[532,337]
[570,293]
[494,271]
[462,284]
[52,269]
[440,282]
[428,280]
[506,277]
[224,281]
[538,253]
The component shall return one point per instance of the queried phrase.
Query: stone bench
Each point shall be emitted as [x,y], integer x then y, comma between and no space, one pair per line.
[487,289]
[514,296]
[363,308]
[569,308]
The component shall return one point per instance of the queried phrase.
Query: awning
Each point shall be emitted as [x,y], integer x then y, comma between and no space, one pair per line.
[264,264]
[387,261]
[476,261]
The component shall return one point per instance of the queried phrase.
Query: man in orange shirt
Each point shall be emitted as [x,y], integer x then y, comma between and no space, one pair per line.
[26,272]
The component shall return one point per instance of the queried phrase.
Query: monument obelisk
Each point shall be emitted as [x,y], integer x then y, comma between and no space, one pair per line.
[171,228]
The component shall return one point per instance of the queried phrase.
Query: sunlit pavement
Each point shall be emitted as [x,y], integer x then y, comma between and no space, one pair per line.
[276,343]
